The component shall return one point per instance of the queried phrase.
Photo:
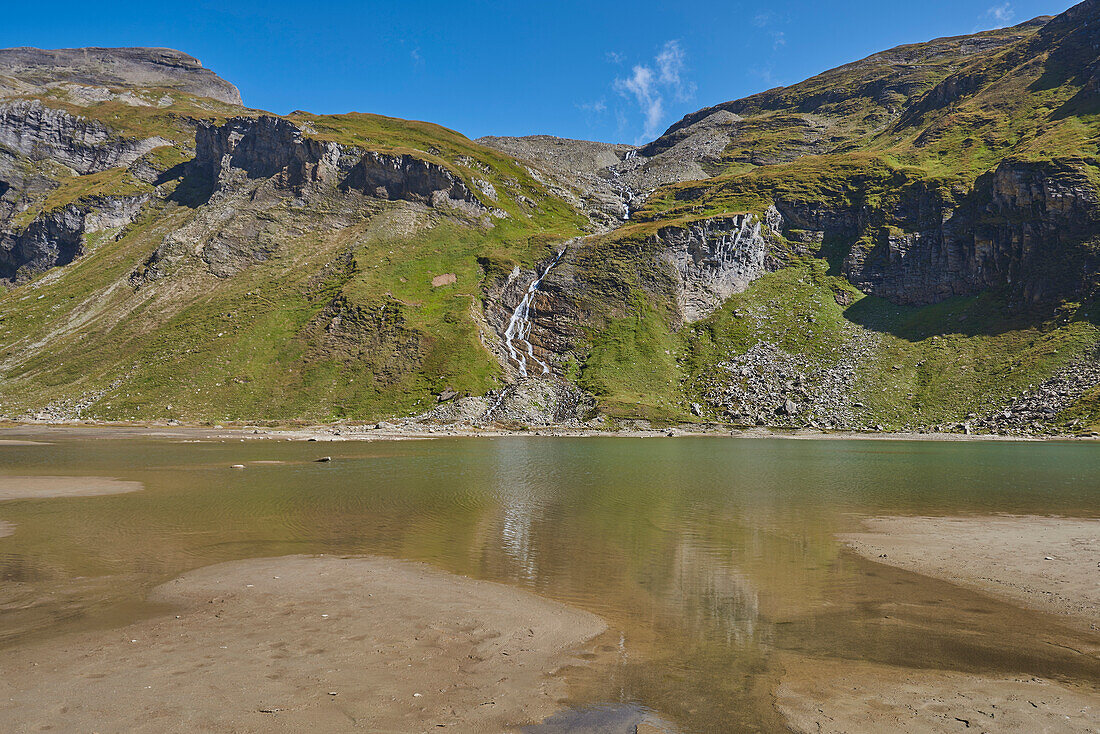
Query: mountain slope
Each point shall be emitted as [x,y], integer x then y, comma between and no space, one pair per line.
[960,184]
[908,241]
[225,263]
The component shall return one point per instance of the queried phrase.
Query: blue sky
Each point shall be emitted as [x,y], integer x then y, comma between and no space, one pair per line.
[602,71]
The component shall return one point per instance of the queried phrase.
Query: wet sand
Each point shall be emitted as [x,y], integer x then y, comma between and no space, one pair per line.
[1045,563]
[850,697]
[41,487]
[6,529]
[306,643]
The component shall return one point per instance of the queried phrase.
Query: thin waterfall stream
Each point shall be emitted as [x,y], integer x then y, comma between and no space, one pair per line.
[517,335]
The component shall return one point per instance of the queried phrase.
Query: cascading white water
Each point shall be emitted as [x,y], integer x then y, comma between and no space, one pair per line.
[519,326]
[621,189]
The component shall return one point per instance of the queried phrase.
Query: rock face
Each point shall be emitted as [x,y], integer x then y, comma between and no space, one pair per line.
[38,132]
[40,145]
[263,147]
[1025,225]
[269,147]
[391,176]
[57,238]
[553,319]
[37,69]
[718,257]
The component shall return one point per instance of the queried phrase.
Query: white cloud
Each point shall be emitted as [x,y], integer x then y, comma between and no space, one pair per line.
[642,85]
[647,86]
[614,57]
[1002,15]
[670,62]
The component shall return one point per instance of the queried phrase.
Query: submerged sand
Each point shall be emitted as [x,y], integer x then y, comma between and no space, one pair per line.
[850,697]
[1046,563]
[36,487]
[306,643]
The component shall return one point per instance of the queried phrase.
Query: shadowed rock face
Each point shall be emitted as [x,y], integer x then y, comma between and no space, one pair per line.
[115,67]
[263,147]
[405,177]
[57,238]
[1025,225]
[273,148]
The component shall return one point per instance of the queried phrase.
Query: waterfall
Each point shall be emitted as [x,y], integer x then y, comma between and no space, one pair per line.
[621,189]
[518,332]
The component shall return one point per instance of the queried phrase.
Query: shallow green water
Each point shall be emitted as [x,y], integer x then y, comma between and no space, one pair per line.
[711,558]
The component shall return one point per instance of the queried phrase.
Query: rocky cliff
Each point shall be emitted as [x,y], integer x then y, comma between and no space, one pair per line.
[1029,226]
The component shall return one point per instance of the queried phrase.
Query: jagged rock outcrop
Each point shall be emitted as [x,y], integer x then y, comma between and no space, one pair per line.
[36,69]
[31,129]
[403,176]
[1027,225]
[263,147]
[246,169]
[267,147]
[57,238]
[719,257]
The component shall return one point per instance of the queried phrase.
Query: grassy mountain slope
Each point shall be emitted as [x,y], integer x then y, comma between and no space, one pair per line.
[890,146]
[335,316]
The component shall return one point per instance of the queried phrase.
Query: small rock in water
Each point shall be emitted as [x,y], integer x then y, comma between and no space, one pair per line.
[237,466]
[323,459]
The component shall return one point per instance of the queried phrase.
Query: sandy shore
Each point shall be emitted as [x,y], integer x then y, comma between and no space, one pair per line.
[6,529]
[849,697]
[306,643]
[1045,563]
